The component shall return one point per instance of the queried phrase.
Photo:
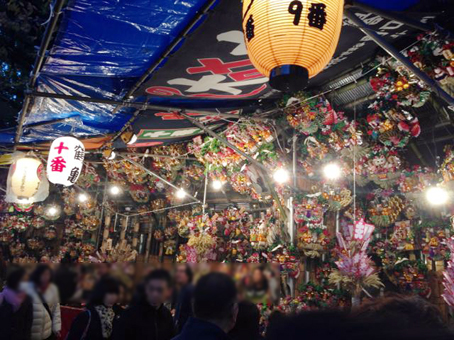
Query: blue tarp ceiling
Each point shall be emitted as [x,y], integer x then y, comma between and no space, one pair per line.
[103,47]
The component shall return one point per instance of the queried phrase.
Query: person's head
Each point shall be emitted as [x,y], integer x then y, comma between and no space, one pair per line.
[409,317]
[258,275]
[259,280]
[183,274]
[106,292]
[41,276]
[312,325]
[14,278]
[215,300]
[247,324]
[157,287]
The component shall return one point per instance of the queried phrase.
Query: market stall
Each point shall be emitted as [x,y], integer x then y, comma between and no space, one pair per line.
[178,138]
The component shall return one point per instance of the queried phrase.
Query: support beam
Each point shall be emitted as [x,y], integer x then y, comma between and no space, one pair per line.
[392,51]
[254,162]
[58,5]
[158,177]
[138,105]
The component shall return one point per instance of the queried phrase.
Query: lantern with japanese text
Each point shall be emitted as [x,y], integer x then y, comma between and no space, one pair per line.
[64,164]
[26,181]
[291,41]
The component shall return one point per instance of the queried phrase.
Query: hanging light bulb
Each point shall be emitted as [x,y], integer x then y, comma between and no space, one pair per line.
[52,211]
[217,185]
[115,190]
[82,197]
[281,176]
[437,196]
[180,194]
[332,171]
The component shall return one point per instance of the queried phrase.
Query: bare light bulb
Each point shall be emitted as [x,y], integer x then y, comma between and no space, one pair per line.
[281,176]
[217,185]
[115,190]
[332,171]
[83,198]
[437,196]
[180,194]
[52,211]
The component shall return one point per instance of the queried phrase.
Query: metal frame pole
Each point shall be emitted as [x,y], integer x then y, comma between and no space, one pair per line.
[58,5]
[158,177]
[205,192]
[392,51]
[259,165]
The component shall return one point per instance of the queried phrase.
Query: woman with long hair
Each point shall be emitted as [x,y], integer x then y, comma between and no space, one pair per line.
[102,312]
[46,304]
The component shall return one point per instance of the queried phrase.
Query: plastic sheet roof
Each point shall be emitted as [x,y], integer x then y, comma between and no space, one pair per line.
[103,47]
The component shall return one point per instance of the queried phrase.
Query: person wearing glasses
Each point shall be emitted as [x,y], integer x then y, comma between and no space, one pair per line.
[147,318]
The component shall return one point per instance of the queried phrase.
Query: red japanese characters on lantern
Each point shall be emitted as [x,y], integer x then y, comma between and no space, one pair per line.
[66,157]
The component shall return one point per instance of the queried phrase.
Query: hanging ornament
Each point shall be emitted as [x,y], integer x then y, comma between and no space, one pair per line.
[38,222]
[50,233]
[290,42]
[64,164]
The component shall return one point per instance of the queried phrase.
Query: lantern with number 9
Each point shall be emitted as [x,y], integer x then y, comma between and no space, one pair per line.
[291,41]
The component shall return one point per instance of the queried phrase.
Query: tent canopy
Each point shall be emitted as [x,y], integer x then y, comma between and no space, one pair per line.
[103,48]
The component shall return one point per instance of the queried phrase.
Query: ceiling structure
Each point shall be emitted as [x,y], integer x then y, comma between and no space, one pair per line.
[117,64]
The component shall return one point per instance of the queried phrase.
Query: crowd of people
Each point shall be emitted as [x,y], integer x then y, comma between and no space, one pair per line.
[165,307]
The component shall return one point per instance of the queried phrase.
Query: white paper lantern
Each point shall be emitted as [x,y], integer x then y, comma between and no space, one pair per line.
[66,157]
[25,177]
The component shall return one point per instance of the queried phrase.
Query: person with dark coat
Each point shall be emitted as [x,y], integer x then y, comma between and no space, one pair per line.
[66,281]
[101,314]
[247,326]
[16,309]
[182,296]
[215,309]
[148,318]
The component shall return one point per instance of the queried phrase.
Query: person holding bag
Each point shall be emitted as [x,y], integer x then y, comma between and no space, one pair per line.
[101,314]
[46,304]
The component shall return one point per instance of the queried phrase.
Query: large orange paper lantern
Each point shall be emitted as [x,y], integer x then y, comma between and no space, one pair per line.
[291,41]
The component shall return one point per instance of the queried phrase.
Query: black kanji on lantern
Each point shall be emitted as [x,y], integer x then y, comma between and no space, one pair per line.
[250,28]
[317,16]
[73,175]
[79,153]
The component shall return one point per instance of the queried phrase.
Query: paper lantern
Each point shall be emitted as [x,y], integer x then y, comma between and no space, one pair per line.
[64,164]
[25,178]
[291,41]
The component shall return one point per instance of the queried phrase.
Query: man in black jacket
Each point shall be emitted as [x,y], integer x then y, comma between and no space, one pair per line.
[215,309]
[148,319]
